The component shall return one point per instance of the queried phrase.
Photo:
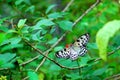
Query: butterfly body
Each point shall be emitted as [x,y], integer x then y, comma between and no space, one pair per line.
[78,48]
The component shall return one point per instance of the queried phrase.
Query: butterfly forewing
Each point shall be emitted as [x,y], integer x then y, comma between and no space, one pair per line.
[82,41]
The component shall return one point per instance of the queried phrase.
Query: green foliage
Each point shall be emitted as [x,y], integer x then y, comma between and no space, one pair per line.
[42,23]
[32,75]
[103,36]
[56,15]
[6,60]
[65,25]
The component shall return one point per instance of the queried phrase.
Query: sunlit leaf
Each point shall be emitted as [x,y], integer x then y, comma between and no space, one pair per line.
[103,36]
[21,23]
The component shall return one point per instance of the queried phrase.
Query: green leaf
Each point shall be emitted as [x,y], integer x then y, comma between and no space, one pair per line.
[49,8]
[13,41]
[25,29]
[55,15]
[30,9]
[2,37]
[32,75]
[5,60]
[73,76]
[3,28]
[103,36]
[65,25]
[58,48]
[21,23]
[43,23]
[11,46]
[52,41]
[7,57]
[36,36]
[17,2]
[99,71]
[92,46]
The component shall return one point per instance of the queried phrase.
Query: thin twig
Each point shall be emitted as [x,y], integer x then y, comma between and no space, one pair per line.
[25,78]
[114,77]
[86,12]
[112,52]
[24,63]
[41,63]
[68,5]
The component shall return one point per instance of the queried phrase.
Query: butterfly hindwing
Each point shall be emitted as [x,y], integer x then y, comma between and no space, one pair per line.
[64,53]
[83,51]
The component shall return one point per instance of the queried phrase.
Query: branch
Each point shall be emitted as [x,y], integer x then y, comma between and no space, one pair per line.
[70,68]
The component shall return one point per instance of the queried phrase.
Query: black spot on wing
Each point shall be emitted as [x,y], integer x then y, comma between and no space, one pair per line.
[65,49]
[78,40]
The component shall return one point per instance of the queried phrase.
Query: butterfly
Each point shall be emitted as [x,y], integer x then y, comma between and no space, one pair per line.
[73,51]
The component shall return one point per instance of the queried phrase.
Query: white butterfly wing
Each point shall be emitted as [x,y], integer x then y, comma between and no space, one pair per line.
[77,49]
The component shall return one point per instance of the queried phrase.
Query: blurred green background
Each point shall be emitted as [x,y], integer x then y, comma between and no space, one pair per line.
[42,23]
